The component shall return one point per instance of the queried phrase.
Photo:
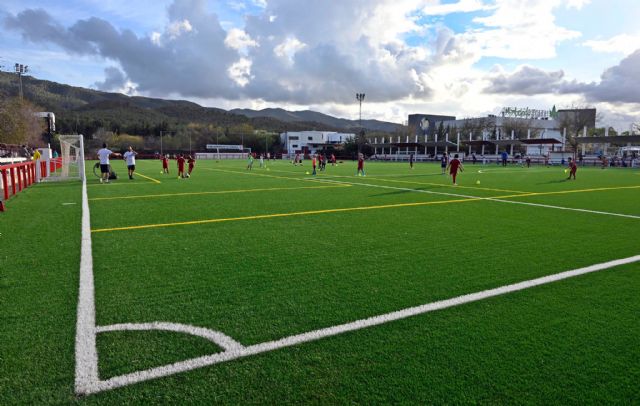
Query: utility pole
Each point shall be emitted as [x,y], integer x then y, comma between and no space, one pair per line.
[170,132]
[360,98]
[161,154]
[20,70]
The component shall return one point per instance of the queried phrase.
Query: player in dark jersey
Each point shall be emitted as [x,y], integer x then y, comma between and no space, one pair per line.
[192,163]
[165,164]
[411,159]
[454,166]
[180,161]
[360,171]
[444,161]
[573,168]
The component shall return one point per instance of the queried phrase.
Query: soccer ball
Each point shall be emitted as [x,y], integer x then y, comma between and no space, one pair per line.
[306,173]
[477,182]
[565,171]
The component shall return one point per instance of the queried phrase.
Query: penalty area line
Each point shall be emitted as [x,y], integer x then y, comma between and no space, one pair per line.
[148,177]
[217,192]
[240,351]
[277,215]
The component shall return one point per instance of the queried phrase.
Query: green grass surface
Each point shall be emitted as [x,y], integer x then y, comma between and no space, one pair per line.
[310,266]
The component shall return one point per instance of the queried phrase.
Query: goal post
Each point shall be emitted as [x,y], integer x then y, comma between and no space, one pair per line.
[70,164]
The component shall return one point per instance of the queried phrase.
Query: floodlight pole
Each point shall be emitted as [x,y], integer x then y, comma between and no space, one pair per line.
[360,98]
[20,70]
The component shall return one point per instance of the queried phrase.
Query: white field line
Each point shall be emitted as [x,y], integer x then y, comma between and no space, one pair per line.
[222,340]
[86,352]
[87,380]
[241,352]
[548,206]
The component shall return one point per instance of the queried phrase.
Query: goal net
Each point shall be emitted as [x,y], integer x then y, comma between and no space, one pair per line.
[70,164]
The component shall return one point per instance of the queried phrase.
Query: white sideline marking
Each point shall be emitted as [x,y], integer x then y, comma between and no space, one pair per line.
[86,352]
[493,199]
[199,362]
[68,204]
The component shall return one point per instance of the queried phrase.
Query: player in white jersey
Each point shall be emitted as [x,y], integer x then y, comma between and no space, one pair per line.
[103,155]
[130,157]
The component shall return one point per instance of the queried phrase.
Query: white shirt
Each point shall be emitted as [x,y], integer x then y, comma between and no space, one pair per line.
[103,154]
[130,156]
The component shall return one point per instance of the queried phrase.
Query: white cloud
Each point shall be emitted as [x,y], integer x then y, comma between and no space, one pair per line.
[462,6]
[288,48]
[520,29]
[240,72]
[176,28]
[238,39]
[156,37]
[623,43]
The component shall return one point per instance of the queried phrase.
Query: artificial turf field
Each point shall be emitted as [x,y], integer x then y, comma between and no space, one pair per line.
[268,254]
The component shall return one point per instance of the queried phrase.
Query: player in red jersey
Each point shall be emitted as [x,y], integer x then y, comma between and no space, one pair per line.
[454,166]
[192,163]
[572,169]
[165,164]
[360,171]
[180,161]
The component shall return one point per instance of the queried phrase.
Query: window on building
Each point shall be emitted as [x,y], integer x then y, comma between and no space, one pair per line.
[310,138]
[294,146]
[294,138]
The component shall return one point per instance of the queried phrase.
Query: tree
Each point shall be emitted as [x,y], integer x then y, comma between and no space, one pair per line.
[18,123]
[574,120]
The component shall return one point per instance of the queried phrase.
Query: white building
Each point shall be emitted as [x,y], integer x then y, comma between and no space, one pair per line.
[308,142]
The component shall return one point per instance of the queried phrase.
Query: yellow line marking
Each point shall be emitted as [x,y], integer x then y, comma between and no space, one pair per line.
[292,214]
[218,192]
[112,184]
[444,185]
[348,209]
[376,177]
[148,177]
[562,192]
[260,174]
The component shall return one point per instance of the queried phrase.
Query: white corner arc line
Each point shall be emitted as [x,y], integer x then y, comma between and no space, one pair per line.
[182,366]
[224,341]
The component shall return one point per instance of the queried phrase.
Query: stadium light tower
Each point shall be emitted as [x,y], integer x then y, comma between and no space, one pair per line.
[170,132]
[360,98]
[20,70]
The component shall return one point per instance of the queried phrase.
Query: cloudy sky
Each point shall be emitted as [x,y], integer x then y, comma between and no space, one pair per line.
[458,57]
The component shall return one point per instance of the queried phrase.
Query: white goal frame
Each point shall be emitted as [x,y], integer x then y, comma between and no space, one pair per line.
[71,157]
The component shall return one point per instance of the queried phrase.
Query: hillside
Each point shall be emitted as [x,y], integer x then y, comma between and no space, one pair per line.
[86,111]
[313,116]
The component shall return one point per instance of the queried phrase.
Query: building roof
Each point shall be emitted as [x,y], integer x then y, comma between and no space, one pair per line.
[616,139]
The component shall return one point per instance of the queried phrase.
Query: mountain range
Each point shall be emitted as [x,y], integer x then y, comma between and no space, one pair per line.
[314,116]
[85,110]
